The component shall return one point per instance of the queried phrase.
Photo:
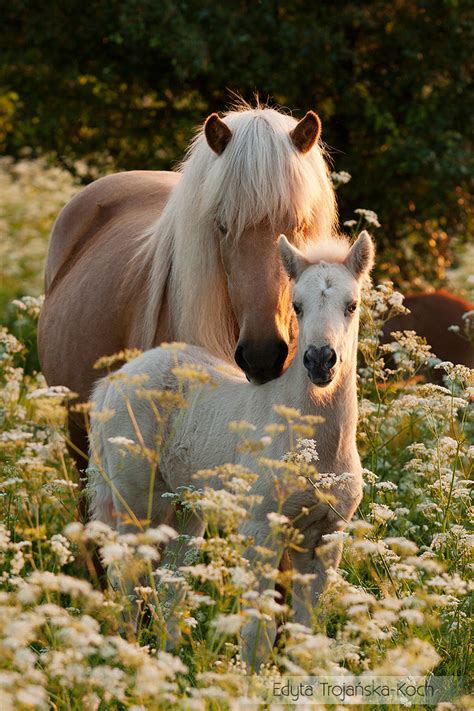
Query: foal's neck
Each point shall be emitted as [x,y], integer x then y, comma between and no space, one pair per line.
[337,403]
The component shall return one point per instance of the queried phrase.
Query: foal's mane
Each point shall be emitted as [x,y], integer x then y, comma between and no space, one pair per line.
[259,176]
[333,249]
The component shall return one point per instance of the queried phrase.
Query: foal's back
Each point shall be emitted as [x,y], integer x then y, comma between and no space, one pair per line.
[192,437]
[210,387]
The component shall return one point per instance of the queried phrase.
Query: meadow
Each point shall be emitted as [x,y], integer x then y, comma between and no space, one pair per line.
[399,605]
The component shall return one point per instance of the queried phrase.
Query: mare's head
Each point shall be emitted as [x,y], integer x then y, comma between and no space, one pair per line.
[265,174]
[326,297]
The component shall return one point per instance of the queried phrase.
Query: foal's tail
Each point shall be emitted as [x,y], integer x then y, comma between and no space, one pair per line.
[101,503]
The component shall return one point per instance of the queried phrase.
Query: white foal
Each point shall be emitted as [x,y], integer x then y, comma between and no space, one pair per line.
[321,380]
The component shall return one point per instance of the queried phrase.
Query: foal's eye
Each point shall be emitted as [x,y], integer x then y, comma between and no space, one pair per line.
[351,307]
[298,309]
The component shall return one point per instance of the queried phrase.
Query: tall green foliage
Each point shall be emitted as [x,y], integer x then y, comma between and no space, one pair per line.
[123,84]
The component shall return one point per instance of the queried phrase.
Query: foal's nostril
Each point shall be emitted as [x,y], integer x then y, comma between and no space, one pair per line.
[332,358]
[322,359]
[310,357]
[328,358]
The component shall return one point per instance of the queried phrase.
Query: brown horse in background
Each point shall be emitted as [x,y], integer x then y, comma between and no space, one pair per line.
[431,315]
[143,257]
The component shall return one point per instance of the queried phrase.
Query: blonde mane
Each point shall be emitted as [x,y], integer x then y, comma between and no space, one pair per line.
[259,176]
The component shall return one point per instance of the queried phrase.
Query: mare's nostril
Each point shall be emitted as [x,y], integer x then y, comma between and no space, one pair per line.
[240,358]
[261,361]
[281,354]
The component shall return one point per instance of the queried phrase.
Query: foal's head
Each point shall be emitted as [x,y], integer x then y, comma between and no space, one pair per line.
[267,176]
[326,301]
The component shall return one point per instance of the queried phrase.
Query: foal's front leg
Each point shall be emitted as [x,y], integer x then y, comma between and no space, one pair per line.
[315,562]
[318,556]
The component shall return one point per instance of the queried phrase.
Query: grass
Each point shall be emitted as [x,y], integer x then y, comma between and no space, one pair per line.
[400,603]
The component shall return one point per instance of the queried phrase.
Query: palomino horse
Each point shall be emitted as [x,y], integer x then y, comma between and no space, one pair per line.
[139,258]
[321,380]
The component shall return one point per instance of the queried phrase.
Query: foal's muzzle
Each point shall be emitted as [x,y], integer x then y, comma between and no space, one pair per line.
[261,362]
[320,364]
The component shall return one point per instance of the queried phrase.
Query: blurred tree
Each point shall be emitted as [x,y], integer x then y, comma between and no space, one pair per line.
[123,83]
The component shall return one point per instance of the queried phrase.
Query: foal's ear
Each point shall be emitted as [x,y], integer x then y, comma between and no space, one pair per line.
[306,132]
[360,259]
[218,134]
[293,260]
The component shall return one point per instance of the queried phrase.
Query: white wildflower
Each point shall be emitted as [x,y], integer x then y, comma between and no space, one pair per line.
[276,519]
[340,178]
[114,553]
[60,546]
[53,391]
[122,441]
[369,216]
[228,624]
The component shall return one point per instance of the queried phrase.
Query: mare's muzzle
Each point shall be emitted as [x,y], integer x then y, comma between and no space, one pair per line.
[320,364]
[261,362]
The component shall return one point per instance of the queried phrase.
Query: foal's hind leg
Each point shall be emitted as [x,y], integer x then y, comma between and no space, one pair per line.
[132,514]
[173,558]
[172,555]
[258,635]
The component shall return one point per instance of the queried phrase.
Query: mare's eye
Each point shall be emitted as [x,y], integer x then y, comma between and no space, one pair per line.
[351,307]
[298,309]
[222,228]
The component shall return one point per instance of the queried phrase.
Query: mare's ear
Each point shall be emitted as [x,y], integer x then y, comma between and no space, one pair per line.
[306,132]
[217,133]
[293,260]
[360,259]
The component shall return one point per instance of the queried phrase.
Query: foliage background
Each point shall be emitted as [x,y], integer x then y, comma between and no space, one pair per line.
[86,88]
[123,84]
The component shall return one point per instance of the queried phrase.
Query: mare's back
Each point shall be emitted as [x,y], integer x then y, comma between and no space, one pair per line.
[127,202]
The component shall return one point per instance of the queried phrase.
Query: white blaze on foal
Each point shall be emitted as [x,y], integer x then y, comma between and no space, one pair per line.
[321,380]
